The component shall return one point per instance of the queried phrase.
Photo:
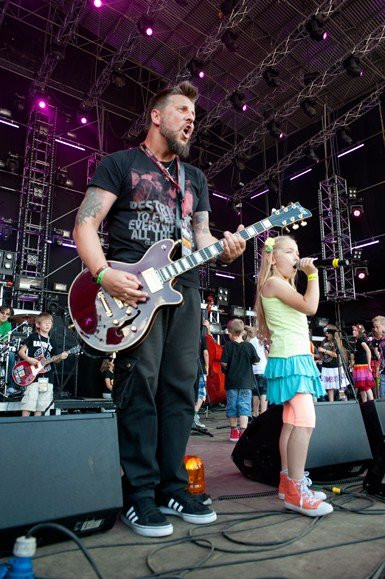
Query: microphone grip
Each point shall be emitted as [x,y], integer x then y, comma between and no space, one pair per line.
[322,263]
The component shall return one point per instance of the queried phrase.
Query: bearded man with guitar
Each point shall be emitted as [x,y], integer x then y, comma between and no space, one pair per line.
[147,194]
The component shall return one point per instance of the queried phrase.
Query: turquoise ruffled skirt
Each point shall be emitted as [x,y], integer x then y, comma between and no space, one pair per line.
[287,377]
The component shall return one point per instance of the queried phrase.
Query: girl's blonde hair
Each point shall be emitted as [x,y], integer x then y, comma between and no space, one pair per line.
[265,272]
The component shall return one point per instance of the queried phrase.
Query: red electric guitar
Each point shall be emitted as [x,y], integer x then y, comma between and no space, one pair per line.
[24,374]
[107,324]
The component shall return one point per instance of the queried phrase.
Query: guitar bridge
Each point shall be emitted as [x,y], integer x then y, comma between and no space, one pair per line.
[152,280]
[105,304]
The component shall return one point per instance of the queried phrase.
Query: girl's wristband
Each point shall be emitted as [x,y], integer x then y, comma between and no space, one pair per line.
[312,276]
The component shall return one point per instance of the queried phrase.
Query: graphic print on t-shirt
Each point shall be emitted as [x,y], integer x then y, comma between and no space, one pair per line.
[153,200]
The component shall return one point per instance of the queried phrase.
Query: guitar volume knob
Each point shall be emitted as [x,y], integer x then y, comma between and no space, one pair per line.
[134,329]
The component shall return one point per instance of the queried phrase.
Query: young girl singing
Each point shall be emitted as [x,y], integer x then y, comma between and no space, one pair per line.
[293,378]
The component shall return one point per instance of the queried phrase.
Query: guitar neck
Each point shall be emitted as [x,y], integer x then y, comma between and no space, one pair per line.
[212,251]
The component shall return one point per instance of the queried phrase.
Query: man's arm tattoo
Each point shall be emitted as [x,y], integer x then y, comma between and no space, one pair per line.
[201,222]
[91,206]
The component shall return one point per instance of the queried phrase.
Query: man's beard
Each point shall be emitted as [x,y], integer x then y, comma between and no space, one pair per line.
[176,147]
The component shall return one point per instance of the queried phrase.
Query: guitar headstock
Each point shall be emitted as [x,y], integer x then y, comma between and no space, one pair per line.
[290,216]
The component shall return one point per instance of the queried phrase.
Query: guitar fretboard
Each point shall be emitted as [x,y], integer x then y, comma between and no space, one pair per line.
[201,256]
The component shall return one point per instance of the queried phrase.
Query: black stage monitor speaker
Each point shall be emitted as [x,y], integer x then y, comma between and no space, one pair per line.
[373,414]
[62,469]
[339,447]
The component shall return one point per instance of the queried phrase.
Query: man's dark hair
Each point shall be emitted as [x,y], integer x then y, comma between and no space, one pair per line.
[5,308]
[159,100]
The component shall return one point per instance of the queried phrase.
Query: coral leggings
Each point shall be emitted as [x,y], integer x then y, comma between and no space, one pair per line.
[299,411]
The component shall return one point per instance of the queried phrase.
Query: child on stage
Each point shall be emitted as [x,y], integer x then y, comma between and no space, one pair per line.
[293,378]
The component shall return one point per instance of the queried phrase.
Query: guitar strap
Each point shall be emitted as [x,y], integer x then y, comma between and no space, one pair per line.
[180,197]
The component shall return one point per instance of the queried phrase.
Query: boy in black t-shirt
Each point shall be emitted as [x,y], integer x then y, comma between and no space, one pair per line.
[38,395]
[238,358]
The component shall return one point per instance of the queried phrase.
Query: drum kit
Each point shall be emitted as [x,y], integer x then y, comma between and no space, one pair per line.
[10,345]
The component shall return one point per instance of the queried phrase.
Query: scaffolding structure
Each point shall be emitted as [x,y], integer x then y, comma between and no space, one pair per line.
[336,242]
[35,209]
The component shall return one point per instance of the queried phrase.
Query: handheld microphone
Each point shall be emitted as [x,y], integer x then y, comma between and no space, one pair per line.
[321,263]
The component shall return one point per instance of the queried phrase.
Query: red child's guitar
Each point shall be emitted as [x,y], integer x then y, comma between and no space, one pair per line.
[107,324]
[24,374]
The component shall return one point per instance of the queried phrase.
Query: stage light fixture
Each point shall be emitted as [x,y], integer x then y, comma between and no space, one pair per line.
[7,262]
[118,79]
[315,28]
[311,154]
[223,296]
[97,3]
[352,193]
[83,119]
[145,25]
[361,273]
[195,68]
[272,185]
[229,39]
[274,129]
[309,107]
[12,162]
[57,52]
[357,254]
[356,211]
[5,113]
[236,98]
[270,76]
[310,77]
[352,65]
[346,135]
[5,231]
[60,287]
[42,104]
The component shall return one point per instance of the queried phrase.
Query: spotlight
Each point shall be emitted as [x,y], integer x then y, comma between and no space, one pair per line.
[5,231]
[274,129]
[118,79]
[227,6]
[311,154]
[236,98]
[83,119]
[12,163]
[346,135]
[356,211]
[310,77]
[57,51]
[314,28]
[97,3]
[361,272]
[229,38]
[240,162]
[145,26]
[223,296]
[272,185]
[352,193]
[270,75]
[352,65]
[42,104]
[309,107]
[195,67]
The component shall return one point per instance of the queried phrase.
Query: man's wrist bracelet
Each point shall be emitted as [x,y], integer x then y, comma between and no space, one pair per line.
[312,276]
[99,271]
[101,275]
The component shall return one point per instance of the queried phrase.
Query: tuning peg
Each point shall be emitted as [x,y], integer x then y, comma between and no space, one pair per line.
[303,223]
[295,226]
[285,209]
[284,222]
[287,230]
[274,210]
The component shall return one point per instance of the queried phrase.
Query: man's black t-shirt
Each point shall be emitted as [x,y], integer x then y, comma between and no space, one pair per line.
[38,345]
[144,211]
[239,357]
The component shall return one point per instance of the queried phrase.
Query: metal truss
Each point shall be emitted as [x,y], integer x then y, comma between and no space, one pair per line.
[336,241]
[326,8]
[344,120]
[35,208]
[119,58]
[65,33]
[362,48]
[204,53]
[3,9]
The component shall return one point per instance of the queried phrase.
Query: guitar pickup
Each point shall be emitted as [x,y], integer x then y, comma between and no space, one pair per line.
[105,304]
[152,280]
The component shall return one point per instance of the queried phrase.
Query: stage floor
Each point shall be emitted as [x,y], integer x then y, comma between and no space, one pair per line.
[253,537]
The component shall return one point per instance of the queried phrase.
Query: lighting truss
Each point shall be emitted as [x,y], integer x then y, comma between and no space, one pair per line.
[3,10]
[336,241]
[35,202]
[347,118]
[117,60]
[366,45]
[204,53]
[283,49]
[67,30]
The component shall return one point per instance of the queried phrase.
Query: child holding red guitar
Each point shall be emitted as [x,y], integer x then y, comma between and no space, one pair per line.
[37,348]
